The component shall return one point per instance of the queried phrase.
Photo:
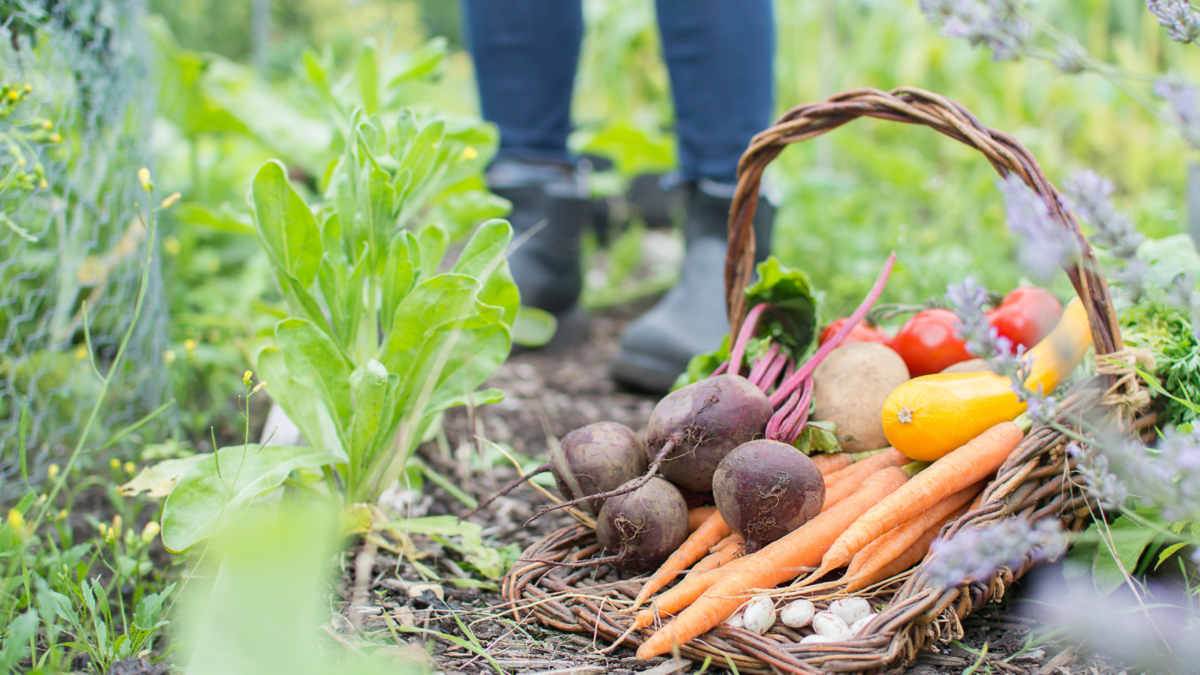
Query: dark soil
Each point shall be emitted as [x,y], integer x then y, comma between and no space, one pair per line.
[552,394]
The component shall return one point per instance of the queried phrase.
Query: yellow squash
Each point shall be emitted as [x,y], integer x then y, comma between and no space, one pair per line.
[929,416]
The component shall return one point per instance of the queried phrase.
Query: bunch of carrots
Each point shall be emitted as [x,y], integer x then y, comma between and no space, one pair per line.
[880,516]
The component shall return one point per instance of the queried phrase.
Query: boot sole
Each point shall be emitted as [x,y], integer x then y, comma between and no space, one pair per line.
[572,331]
[644,372]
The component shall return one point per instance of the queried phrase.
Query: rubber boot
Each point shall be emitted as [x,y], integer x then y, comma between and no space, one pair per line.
[690,319]
[550,209]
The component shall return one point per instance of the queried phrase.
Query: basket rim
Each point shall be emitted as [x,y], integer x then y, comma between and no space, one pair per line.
[909,105]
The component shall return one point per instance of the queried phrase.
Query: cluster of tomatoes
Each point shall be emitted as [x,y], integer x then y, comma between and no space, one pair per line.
[928,341]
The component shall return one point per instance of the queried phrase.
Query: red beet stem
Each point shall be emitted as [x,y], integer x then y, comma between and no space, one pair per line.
[791,427]
[749,326]
[761,366]
[772,375]
[803,372]
[776,420]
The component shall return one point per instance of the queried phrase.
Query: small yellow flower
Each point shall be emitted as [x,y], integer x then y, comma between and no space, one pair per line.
[169,356]
[103,529]
[62,514]
[81,353]
[42,184]
[55,137]
[116,526]
[172,245]
[170,200]
[258,386]
[52,472]
[190,345]
[150,532]
[246,377]
[130,467]
[16,519]
[47,124]
[470,152]
[21,161]
[115,463]
[144,179]
[28,88]
[13,95]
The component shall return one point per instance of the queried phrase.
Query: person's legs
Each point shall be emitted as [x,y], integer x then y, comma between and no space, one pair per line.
[526,53]
[719,53]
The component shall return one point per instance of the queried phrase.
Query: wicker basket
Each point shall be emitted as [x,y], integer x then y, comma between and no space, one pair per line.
[1035,482]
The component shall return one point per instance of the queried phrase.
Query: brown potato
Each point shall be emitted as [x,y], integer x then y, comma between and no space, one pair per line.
[850,387]
[972,366]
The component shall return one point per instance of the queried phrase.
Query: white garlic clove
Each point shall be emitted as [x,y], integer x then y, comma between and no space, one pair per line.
[858,626]
[759,615]
[735,621]
[850,609]
[815,638]
[831,626]
[798,613]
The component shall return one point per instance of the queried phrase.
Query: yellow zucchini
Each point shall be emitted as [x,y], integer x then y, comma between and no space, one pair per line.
[929,416]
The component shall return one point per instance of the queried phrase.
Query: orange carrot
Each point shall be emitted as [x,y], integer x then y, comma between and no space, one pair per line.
[830,462]
[730,548]
[899,539]
[690,551]
[970,463]
[734,539]
[698,515]
[728,587]
[841,484]
[883,566]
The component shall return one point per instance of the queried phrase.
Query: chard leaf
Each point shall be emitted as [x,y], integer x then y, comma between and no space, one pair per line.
[795,321]
[315,362]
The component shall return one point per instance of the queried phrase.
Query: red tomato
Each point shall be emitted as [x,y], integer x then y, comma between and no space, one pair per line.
[1026,316]
[860,333]
[927,342]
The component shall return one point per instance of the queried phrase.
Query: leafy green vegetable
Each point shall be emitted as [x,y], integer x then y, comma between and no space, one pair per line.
[792,325]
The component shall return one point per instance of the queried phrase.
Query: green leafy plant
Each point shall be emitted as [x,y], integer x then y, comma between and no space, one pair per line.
[377,342]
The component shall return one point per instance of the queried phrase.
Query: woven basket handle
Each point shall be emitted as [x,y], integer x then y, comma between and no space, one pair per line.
[910,106]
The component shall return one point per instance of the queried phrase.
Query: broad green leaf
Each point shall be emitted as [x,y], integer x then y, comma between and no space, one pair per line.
[331,279]
[209,496]
[376,197]
[703,365]
[473,206]
[368,76]
[1129,539]
[1168,552]
[317,74]
[433,242]
[16,644]
[444,299]
[406,132]
[342,195]
[302,405]
[533,327]
[158,480]
[222,219]
[315,362]
[421,63]
[398,274]
[331,239]
[303,303]
[425,148]
[485,258]
[795,322]
[369,384]
[285,224]
[467,357]
[445,526]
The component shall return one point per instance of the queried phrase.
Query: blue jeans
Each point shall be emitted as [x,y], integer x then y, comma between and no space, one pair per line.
[718,52]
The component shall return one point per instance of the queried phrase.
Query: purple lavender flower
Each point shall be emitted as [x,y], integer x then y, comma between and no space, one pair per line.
[976,553]
[1167,476]
[1046,244]
[1183,106]
[994,23]
[1103,485]
[967,300]
[1089,195]
[1178,17]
